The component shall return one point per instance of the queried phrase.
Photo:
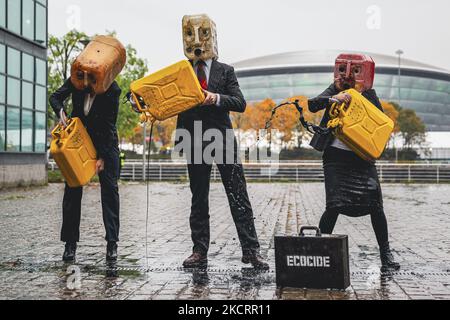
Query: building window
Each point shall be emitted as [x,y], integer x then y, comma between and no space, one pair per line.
[27,67]
[41,98]
[27,95]
[2,58]
[28,19]
[41,24]
[41,72]
[13,95]
[2,89]
[14,16]
[2,128]
[13,62]
[27,131]
[13,129]
[3,13]
[23,78]
[40,134]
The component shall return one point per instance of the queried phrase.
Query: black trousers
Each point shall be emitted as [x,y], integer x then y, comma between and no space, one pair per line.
[110,203]
[379,222]
[235,185]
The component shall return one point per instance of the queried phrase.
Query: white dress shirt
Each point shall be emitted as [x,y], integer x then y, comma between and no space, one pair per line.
[88,101]
[337,143]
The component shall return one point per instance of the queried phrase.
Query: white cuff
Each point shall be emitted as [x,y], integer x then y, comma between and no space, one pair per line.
[218,100]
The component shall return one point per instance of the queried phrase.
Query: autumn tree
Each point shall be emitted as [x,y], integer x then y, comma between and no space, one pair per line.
[164,132]
[390,110]
[315,118]
[259,113]
[411,127]
[285,122]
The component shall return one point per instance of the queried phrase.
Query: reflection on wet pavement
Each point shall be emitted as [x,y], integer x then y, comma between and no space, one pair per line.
[30,254]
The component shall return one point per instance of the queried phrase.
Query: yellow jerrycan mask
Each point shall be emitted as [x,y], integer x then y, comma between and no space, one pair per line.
[167,93]
[361,126]
[74,153]
[98,64]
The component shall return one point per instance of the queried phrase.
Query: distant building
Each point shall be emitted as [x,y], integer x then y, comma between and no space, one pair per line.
[423,88]
[23,92]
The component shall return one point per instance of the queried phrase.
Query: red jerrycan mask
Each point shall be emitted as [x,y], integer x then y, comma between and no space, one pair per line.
[354,71]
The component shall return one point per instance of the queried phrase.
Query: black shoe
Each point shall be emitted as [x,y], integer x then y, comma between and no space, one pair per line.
[111,251]
[256,260]
[387,259]
[196,261]
[70,252]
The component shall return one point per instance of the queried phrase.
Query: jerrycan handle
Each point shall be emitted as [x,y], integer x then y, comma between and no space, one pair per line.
[303,229]
[138,104]
[61,116]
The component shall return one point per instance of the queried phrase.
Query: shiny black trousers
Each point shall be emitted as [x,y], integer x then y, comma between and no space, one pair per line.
[379,222]
[110,203]
[233,180]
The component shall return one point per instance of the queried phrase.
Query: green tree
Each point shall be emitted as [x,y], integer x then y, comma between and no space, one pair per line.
[135,69]
[411,127]
[62,52]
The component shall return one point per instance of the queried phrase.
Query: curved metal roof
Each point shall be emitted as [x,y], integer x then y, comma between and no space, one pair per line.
[325,58]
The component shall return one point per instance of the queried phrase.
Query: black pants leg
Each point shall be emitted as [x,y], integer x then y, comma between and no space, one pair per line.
[110,204]
[328,221]
[70,231]
[233,179]
[110,196]
[199,177]
[380,226]
[378,217]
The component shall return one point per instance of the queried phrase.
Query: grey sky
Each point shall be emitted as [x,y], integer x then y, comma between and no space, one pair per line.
[252,28]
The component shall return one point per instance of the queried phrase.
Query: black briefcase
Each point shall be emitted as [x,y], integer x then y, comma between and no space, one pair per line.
[312,262]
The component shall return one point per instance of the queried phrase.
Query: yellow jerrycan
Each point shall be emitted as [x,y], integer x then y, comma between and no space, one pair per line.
[168,92]
[74,153]
[361,126]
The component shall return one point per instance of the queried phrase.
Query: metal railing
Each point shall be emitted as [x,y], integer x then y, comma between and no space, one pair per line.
[285,171]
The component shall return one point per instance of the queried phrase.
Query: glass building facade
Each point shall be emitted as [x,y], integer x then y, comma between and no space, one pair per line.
[422,88]
[23,81]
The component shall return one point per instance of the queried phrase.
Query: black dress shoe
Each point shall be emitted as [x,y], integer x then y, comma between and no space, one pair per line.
[70,252]
[256,260]
[111,252]
[195,261]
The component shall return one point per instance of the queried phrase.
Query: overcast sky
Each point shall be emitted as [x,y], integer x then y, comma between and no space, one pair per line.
[252,28]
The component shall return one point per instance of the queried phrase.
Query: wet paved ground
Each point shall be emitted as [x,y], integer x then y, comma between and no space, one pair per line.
[30,252]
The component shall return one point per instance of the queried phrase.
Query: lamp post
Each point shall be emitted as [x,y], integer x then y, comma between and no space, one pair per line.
[399,53]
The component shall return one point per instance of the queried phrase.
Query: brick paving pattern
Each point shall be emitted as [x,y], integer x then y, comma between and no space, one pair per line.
[30,254]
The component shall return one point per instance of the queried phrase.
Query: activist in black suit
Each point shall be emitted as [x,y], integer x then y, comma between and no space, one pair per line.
[99,115]
[223,96]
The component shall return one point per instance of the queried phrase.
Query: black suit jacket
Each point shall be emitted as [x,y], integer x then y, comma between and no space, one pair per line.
[321,142]
[223,81]
[101,120]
